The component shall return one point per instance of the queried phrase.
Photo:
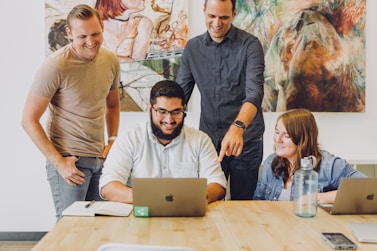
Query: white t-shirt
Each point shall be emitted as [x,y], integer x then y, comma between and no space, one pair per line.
[285,195]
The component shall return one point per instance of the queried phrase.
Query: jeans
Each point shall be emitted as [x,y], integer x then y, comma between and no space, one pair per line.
[64,194]
[243,170]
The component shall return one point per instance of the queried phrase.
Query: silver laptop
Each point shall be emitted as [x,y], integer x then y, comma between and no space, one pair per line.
[354,196]
[364,232]
[169,197]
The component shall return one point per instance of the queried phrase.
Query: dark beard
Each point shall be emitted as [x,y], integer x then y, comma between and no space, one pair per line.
[161,135]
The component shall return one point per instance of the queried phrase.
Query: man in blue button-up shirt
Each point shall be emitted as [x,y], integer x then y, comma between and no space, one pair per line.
[227,64]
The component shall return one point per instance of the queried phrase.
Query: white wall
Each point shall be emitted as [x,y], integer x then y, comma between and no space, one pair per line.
[26,203]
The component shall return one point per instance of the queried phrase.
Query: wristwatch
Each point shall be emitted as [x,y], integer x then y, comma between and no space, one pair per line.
[239,124]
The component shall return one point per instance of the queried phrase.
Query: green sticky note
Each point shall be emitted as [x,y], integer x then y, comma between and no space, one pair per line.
[140,211]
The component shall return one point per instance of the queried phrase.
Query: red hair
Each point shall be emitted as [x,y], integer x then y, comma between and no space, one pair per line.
[110,8]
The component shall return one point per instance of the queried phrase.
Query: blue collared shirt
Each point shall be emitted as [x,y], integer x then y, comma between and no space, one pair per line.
[331,170]
[227,74]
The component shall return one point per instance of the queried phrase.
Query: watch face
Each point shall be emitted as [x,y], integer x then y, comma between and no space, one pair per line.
[239,124]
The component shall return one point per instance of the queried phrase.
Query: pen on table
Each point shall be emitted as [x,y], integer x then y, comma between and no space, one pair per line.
[89,204]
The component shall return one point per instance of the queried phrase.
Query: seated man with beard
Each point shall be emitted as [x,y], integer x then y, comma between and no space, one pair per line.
[162,147]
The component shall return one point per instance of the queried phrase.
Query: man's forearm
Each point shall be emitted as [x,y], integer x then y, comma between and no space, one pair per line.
[116,191]
[40,139]
[113,113]
[247,113]
[215,192]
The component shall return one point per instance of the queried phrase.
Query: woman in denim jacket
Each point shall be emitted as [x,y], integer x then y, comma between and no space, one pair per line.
[295,137]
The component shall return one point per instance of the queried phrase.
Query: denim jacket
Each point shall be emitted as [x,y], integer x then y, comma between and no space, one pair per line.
[331,170]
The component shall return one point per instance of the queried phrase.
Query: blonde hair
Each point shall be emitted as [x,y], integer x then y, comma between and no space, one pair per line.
[82,12]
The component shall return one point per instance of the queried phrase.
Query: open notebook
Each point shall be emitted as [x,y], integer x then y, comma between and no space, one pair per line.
[354,196]
[169,196]
[93,208]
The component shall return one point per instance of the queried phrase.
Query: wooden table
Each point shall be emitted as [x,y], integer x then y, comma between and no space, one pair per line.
[228,225]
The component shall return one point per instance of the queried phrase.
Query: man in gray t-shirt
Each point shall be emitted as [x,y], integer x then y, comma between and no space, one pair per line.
[79,86]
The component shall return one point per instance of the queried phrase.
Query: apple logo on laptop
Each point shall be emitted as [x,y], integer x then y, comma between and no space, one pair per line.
[169,197]
[370,196]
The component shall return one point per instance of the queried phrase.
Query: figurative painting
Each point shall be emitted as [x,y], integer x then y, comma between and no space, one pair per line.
[148,37]
[314,52]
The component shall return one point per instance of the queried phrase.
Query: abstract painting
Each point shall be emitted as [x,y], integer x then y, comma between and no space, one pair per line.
[314,52]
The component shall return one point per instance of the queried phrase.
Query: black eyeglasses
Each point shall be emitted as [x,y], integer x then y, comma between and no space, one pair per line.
[175,114]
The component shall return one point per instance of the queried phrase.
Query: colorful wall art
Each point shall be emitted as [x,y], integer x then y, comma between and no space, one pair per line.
[314,51]
[148,36]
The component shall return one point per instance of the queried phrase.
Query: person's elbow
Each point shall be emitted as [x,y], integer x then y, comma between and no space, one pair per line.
[106,191]
[34,108]
[24,122]
[116,191]
[215,192]
[27,122]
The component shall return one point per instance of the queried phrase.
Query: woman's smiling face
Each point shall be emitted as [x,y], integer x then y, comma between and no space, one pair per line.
[284,146]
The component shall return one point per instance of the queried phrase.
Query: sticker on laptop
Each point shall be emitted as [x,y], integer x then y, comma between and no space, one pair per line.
[140,211]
